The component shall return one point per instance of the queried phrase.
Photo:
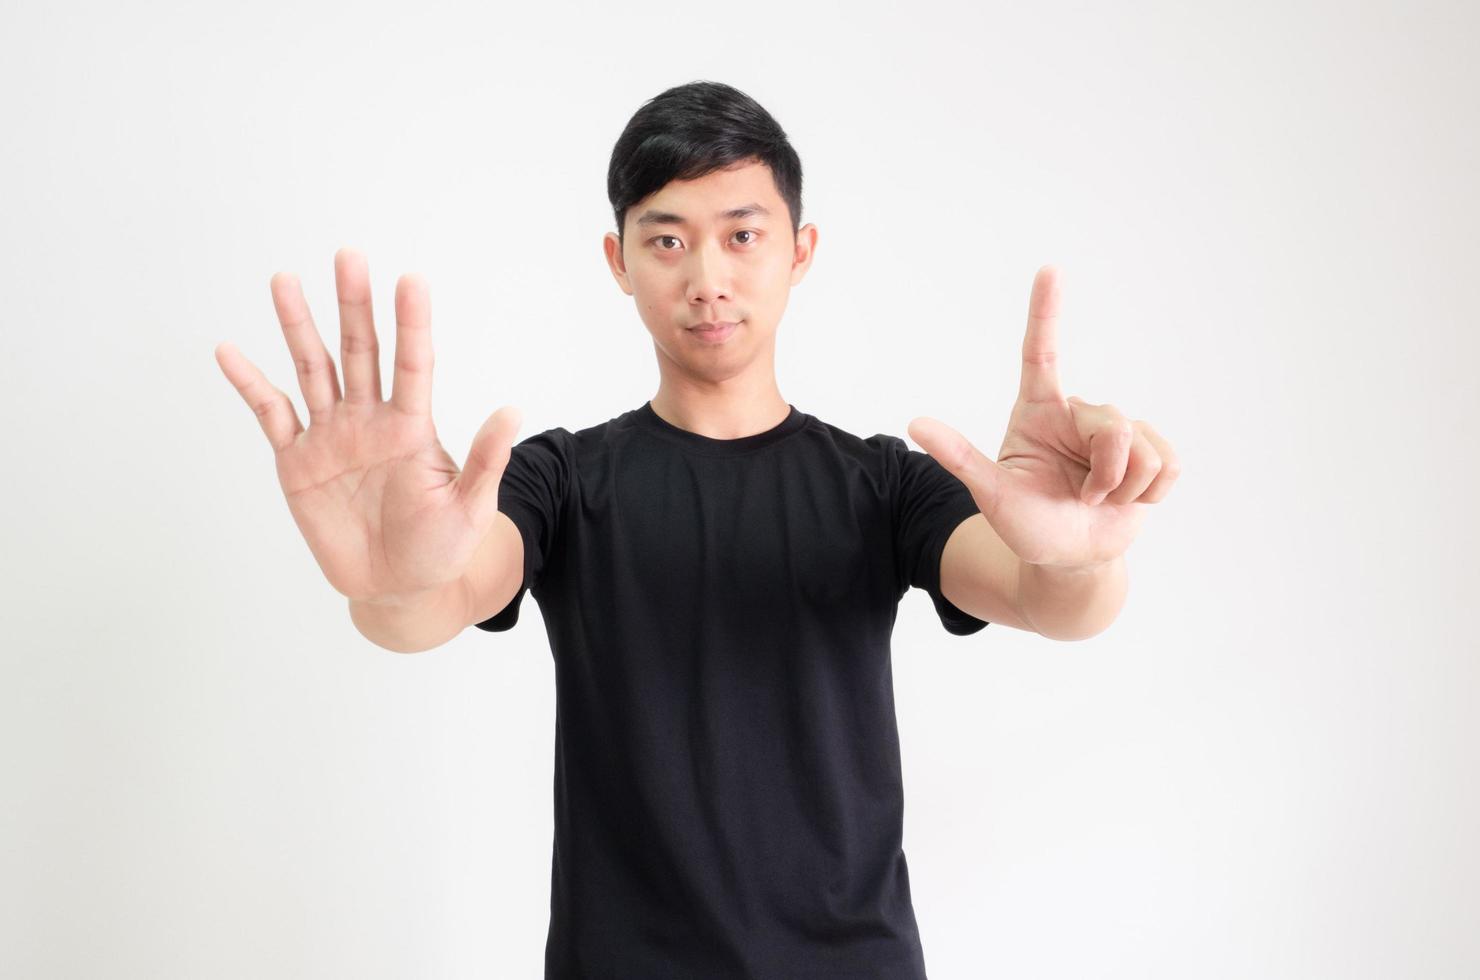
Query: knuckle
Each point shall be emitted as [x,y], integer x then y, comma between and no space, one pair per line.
[410,364]
[357,343]
[312,365]
[262,407]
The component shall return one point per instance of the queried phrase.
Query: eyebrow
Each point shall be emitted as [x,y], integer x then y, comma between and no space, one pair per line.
[651,217]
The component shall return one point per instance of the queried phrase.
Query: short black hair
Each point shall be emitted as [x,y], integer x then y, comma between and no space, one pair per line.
[690,130]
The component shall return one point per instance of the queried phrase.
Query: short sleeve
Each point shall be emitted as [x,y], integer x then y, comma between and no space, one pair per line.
[532,493]
[929,504]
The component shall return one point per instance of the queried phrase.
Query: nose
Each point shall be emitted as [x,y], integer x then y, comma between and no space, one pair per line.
[708,277]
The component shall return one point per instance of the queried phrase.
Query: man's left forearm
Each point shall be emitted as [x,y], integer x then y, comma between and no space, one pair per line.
[1071,603]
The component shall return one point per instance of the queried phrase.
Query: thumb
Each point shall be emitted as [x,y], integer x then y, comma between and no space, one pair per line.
[952,450]
[487,458]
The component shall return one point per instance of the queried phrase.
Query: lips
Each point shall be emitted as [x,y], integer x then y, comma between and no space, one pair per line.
[715,332]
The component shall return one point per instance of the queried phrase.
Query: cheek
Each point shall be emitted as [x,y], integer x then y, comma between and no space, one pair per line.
[767,285]
[654,291]
[778,267]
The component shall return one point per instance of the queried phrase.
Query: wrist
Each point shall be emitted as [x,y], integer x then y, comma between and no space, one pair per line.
[412,622]
[405,600]
[1072,602]
[1071,568]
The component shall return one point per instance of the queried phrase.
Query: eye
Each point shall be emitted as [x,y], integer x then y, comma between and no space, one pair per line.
[661,238]
[747,231]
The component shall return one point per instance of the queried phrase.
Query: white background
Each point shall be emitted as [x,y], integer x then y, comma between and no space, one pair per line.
[1266,216]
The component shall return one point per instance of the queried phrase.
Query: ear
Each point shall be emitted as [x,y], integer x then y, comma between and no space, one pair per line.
[806,247]
[612,246]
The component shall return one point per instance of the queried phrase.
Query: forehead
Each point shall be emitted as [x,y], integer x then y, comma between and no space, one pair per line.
[699,200]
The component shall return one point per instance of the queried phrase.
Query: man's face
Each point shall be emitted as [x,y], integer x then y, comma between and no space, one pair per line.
[715,250]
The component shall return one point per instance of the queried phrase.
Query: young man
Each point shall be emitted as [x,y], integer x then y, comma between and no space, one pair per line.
[718,572]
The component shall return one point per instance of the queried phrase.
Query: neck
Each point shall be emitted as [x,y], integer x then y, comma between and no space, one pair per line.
[723,411]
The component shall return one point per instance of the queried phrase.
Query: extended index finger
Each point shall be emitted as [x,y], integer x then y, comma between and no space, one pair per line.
[1040,379]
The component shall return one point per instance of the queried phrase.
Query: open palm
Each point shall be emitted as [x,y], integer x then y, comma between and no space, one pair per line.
[385,510]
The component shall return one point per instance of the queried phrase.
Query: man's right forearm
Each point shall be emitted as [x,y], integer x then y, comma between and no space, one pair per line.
[416,623]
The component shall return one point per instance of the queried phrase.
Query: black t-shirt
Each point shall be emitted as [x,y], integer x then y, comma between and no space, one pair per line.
[728,795]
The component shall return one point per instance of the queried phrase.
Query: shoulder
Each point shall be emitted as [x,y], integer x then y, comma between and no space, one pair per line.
[571,444]
[884,462]
[878,452]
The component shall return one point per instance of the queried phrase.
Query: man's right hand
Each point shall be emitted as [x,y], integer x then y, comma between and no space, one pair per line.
[383,507]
